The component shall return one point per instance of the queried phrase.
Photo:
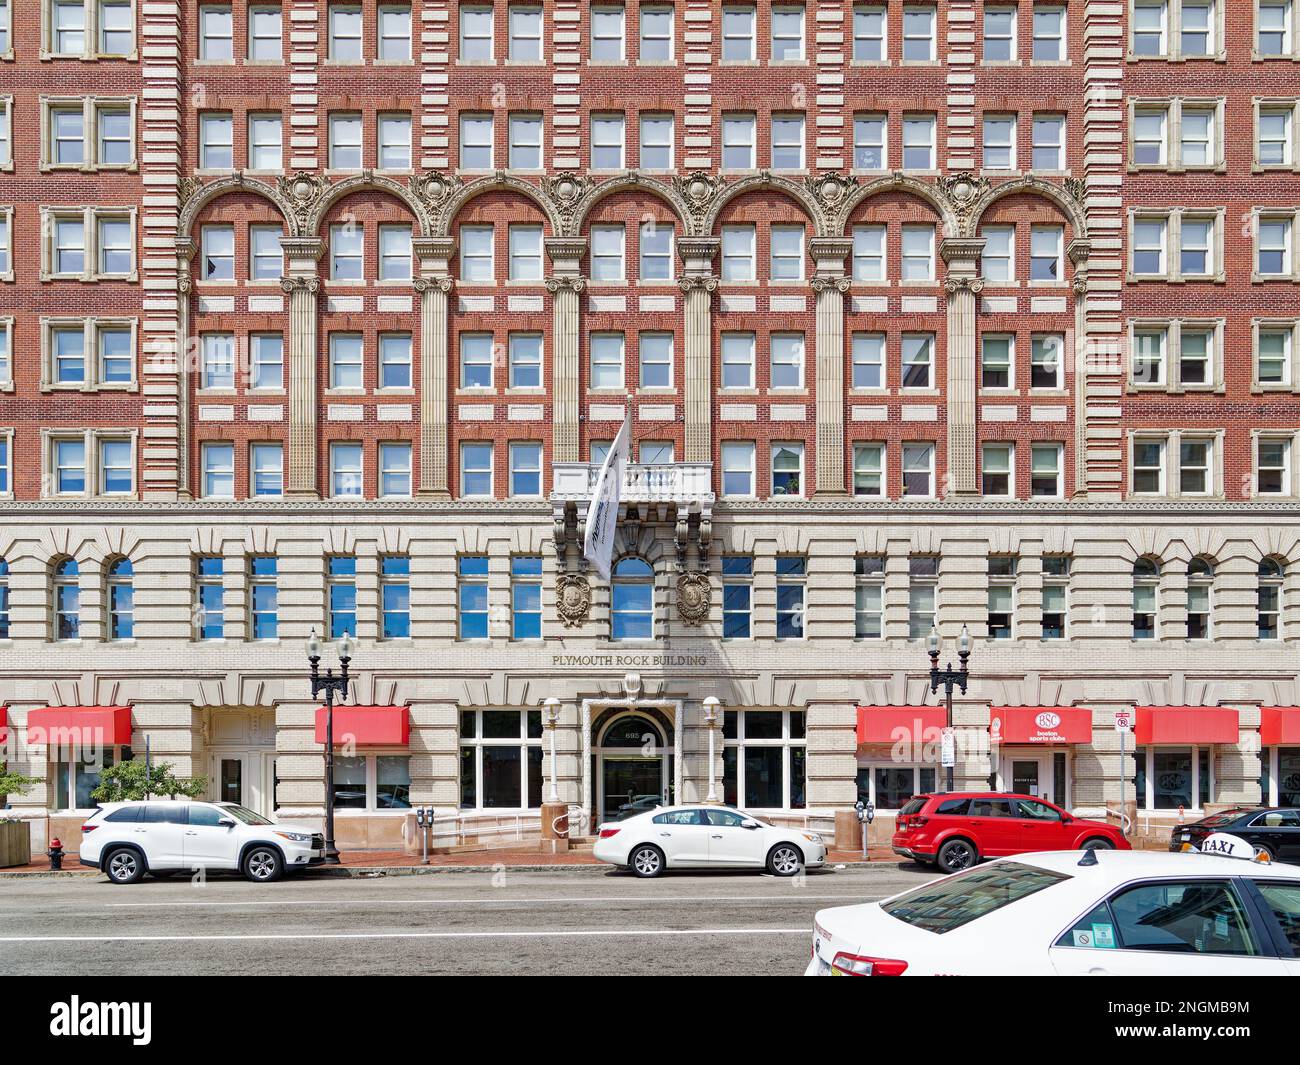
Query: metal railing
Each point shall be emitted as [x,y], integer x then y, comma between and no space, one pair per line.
[648,482]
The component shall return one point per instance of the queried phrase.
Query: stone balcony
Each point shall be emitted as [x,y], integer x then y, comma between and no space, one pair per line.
[658,491]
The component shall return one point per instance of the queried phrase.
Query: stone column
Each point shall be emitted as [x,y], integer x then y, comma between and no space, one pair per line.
[698,283]
[963,286]
[830,284]
[185,358]
[1077,378]
[565,284]
[302,283]
[434,285]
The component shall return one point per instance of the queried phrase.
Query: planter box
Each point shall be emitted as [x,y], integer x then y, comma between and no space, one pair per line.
[15,843]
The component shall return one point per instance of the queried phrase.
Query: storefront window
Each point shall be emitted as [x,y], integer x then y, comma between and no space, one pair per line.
[372,782]
[1288,777]
[78,774]
[764,760]
[1171,777]
[349,783]
[500,759]
[889,787]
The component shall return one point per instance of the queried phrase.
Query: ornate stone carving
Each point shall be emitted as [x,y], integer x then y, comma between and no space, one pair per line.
[186,189]
[829,192]
[443,283]
[297,284]
[820,284]
[572,599]
[554,284]
[566,192]
[958,284]
[707,282]
[698,190]
[433,189]
[303,192]
[1076,189]
[963,190]
[694,597]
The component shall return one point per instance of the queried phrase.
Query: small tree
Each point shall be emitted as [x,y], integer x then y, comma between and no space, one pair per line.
[128,780]
[14,784]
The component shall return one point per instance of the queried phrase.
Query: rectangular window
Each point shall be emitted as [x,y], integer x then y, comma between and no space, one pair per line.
[737,360]
[525,360]
[868,360]
[607,361]
[1045,471]
[869,470]
[997,466]
[870,134]
[475,141]
[345,141]
[1148,465]
[525,245]
[1273,358]
[1198,144]
[918,142]
[655,240]
[1195,474]
[1273,257]
[787,355]
[738,468]
[395,471]
[999,142]
[472,596]
[1196,247]
[918,253]
[918,359]
[526,597]
[1273,466]
[266,464]
[263,597]
[656,141]
[216,31]
[1046,245]
[869,597]
[608,137]
[476,360]
[218,471]
[476,253]
[476,471]
[918,34]
[265,142]
[341,595]
[999,34]
[346,360]
[500,759]
[216,141]
[210,598]
[1150,140]
[787,256]
[869,28]
[923,580]
[787,33]
[1045,360]
[1274,136]
[525,33]
[116,468]
[395,597]
[394,33]
[997,358]
[265,33]
[266,361]
[345,470]
[918,470]
[787,142]
[655,354]
[791,586]
[218,360]
[476,34]
[1001,596]
[525,470]
[1150,28]
[656,44]
[266,256]
[1149,356]
[607,252]
[1049,142]
[765,759]
[997,261]
[738,253]
[395,253]
[787,469]
[1056,582]
[738,34]
[394,148]
[607,34]
[1194,350]
[737,596]
[345,34]
[738,140]
[1049,34]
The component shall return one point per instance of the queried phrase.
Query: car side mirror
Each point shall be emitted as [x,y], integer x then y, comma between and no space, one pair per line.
[226,822]
[1066,819]
[749,824]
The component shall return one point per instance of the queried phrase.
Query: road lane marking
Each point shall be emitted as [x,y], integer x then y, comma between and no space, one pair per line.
[434,901]
[559,934]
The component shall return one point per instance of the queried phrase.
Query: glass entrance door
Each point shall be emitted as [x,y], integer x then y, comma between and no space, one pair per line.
[630,786]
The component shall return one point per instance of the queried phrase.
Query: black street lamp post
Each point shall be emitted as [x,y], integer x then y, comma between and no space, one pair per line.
[330,685]
[949,678]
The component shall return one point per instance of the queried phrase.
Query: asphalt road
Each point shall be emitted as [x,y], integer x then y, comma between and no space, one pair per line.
[558,922]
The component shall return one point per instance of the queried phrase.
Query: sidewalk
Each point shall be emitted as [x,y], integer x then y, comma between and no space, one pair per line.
[397,863]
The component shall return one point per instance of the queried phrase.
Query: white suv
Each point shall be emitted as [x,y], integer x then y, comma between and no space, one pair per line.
[161,837]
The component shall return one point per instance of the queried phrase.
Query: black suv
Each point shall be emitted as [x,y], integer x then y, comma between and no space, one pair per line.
[1271,830]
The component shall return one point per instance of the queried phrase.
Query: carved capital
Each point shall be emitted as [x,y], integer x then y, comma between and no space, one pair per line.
[974,285]
[300,284]
[555,284]
[824,284]
[697,282]
[442,283]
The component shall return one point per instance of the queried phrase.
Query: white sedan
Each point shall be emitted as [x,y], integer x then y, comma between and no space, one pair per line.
[679,837]
[1076,913]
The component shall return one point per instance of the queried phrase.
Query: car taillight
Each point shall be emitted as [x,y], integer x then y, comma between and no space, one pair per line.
[861,965]
[917,821]
[605,833]
[88,828]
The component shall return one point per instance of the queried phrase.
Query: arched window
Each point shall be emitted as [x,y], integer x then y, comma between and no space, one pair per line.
[1200,604]
[631,613]
[1146,585]
[121,600]
[66,600]
[4,599]
[1269,599]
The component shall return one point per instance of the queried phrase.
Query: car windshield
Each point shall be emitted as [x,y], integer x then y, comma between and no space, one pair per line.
[913,806]
[248,816]
[968,896]
[1223,816]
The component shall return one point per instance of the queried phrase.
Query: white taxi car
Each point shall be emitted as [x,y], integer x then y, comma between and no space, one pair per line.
[676,837]
[1076,913]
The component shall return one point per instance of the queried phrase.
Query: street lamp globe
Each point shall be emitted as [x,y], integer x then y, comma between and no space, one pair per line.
[552,710]
[313,645]
[932,641]
[711,705]
[345,646]
[964,641]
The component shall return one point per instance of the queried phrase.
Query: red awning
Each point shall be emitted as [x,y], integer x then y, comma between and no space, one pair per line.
[1279,725]
[367,726]
[1185,724]
[63,726]
[1041,724]
[4,723]
[911,724]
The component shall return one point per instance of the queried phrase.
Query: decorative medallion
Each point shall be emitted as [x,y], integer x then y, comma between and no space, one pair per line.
[303,192]
[962,190]
[572,599]
[433,189]
[694,595]
[699,190]
[565,191]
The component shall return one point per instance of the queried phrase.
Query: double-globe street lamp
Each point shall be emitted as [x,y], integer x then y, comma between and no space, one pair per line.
[949,678]
[330,685]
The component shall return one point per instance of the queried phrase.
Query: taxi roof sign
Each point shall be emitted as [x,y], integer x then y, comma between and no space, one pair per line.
[1227,845]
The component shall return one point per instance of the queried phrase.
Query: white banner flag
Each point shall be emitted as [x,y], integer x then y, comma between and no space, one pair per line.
[602,514]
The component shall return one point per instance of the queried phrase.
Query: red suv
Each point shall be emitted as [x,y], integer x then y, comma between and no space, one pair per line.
[956,829]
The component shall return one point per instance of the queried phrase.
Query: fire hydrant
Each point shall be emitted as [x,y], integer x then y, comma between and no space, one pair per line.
[56,855]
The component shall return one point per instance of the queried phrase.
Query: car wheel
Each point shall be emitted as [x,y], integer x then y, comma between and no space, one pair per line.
[1098,843]
[263,864]
[956,855]
[646,861]
[785,859]
[1263,852]
[124,866]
